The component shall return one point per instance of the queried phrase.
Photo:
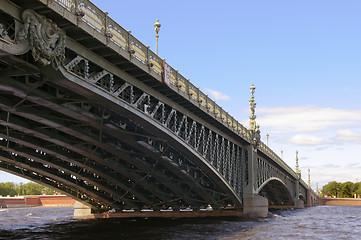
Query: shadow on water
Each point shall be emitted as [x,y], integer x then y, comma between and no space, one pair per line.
[37,224]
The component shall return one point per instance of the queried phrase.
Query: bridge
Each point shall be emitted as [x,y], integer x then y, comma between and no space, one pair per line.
[89,110]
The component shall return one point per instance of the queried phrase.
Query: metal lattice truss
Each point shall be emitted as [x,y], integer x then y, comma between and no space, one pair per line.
[222,154]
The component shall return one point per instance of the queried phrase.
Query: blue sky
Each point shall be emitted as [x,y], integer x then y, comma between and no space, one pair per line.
[302,56]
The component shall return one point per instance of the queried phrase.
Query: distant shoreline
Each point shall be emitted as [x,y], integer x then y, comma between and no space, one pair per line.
[340,201]
[60,206]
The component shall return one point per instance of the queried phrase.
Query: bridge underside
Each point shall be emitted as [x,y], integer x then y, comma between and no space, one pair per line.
[63,136]
[277,194]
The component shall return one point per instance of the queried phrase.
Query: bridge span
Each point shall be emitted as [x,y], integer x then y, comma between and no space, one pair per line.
[89,110]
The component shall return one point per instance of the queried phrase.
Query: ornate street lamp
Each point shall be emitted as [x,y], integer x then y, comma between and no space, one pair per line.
[156,29]
[253,127]
[298,172]
[252,103]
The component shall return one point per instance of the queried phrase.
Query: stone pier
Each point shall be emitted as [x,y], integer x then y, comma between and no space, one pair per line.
[255,207]
[82,211]
[299,204]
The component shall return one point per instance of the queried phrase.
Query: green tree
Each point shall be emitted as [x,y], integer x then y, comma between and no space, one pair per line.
[8,188]
[48,191]
[21,189]
[33,189]
[331,189]
[347,190]
[358,189]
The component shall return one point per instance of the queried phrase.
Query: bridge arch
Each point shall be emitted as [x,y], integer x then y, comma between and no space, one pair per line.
[303,198]
[276,191]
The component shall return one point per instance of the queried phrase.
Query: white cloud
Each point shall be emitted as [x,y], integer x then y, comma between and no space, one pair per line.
[305,139]
[348,135]
[309,125]
[217,95]
[325,174]
[307,118]
[328,140]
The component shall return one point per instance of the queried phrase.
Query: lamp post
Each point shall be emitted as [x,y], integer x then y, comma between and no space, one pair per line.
[267,138]
[156,29]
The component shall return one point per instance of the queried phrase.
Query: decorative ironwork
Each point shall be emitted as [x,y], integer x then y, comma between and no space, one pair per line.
[4,32]
[46,40]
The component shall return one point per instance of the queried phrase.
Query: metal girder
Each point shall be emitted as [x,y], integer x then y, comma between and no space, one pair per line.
[29,113]
[45,133]
[32,145]
[51,183]
[4,157]
[69,169]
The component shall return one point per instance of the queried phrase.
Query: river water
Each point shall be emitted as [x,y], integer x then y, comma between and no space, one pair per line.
[323,222]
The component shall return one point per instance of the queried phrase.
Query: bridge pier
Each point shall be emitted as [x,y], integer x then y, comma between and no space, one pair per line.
[299,204]
[82,211]
[309,198]
[255,207]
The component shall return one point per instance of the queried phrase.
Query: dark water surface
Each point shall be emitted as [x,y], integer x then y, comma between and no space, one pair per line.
[323,222]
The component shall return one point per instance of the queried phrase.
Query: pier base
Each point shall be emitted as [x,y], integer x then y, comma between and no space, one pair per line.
[299,204]
[82,211]
[255,207]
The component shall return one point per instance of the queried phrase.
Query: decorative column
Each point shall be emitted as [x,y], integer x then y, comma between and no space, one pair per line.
[309,190]
[253,204]
[309,179]
[298,203]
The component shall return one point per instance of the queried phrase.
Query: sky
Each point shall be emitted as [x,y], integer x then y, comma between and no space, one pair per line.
[302,56]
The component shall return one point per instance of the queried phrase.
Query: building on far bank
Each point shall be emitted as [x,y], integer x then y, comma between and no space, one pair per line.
[37,201]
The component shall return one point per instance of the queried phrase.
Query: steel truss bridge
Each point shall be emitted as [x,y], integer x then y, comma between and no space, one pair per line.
[84,109]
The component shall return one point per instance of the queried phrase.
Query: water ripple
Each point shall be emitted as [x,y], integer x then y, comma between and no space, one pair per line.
[324,222]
